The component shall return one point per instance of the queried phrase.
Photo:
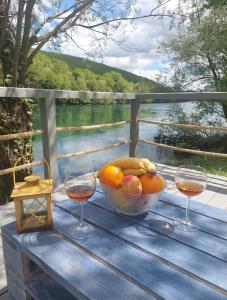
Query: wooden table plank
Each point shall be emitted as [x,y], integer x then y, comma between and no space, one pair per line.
[140,266]
[203,222]
[203,216]
[2,279]
[41,287]
[4,296]
[206,210]
[201,240]
[130,257]
[64,261]
[186,258]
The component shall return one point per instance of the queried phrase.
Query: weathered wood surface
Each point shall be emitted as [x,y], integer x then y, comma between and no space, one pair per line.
[44,93]
[4,295]
[48,124]
[212,220]
[134,127]
[127,257]
[11,92]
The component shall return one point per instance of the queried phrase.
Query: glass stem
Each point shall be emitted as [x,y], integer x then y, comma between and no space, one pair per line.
[187,208]
[81,214]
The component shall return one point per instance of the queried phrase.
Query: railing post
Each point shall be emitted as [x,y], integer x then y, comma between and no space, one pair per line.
[134,126]
[48,123]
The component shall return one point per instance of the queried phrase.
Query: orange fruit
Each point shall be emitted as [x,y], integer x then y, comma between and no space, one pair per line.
[111,176]
[152,184]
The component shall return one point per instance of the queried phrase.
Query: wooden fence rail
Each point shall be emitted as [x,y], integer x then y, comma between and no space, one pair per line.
[185,126]
[48,113]
[12,92]
[197,152]
[21,135]
[64,156]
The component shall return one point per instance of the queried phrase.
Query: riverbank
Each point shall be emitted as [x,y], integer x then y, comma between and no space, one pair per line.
[213,165]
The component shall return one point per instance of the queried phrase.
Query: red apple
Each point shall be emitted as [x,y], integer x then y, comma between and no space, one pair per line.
[131,184]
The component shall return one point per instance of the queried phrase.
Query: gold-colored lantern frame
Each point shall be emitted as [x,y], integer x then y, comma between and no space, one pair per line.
[18,200]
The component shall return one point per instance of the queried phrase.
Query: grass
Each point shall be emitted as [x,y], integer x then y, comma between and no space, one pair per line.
[213,165]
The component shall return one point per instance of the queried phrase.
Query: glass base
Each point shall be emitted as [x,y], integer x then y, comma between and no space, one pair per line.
[82,231]
[161,226]
[156,225]
[184,225]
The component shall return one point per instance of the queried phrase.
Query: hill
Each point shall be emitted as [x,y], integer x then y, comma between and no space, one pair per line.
[65,72]
[100,69]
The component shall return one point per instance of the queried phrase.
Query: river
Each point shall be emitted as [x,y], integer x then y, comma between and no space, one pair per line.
[76,115]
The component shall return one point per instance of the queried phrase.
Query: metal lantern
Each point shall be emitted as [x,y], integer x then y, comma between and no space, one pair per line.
[32,199]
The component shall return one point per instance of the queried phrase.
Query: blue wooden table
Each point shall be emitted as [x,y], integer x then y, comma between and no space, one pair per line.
[126,258]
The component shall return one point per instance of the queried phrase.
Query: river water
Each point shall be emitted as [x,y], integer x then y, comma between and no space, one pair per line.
[76,115]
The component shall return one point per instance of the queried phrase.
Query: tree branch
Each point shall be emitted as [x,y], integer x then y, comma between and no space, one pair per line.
[159,6]
[214,72]
[45,38]
[72,39]
[27,29]
[5,12]
[64,21]
[28,22]
[197,79]
[49,19]
[124,19]
[18,41]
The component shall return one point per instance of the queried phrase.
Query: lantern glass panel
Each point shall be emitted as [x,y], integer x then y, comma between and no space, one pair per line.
[33,213]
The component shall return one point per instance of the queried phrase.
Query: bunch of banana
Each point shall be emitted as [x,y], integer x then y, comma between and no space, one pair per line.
[133,166]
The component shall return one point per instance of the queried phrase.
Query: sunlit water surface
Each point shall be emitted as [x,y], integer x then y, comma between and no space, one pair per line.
[77,115]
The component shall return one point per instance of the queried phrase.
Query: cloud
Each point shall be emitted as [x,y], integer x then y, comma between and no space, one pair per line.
[138,49]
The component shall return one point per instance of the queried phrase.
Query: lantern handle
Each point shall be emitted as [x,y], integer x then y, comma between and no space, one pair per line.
[14,167]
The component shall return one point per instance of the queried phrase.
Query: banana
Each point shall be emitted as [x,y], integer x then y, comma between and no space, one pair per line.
[148,165]
[132,166]
[135,163]
[128,163]
[135,172]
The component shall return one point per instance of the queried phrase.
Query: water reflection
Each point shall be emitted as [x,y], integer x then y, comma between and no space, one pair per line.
[77,115]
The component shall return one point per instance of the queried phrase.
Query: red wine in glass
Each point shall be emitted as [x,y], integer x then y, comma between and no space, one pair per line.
[190,181]
[190,188]
[80,193]
[81,188]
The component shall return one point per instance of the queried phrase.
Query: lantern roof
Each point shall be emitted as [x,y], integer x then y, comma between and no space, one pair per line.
[24,189]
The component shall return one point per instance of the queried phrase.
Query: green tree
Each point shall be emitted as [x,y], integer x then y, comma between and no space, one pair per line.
[216,3]
[198,55]
[49,73]
[209,113]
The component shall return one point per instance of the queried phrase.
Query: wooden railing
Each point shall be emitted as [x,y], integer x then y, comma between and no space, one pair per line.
[48,119]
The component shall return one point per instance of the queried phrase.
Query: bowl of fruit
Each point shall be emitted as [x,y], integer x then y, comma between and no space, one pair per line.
[132,185]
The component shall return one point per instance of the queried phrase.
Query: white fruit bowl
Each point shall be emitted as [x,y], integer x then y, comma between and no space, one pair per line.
[130,204]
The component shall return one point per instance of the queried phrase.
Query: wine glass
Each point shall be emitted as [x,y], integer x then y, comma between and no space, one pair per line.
[81,188]
[190,181]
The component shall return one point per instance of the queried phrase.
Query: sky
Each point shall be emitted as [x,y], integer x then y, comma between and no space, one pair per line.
[138,53]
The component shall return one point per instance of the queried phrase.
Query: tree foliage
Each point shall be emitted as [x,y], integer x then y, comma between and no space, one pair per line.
[216,3]
[202,113]
[47,72]
[198,52]
[198,55]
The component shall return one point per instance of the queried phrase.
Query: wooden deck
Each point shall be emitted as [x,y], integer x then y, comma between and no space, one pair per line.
[215,195]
